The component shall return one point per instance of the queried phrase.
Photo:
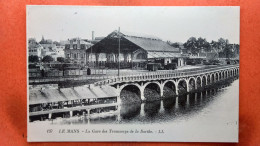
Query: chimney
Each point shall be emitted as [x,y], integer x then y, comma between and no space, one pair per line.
[78,43]
[93,37]
[71,44]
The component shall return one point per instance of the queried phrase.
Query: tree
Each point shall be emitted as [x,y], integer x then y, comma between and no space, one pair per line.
[222,44]
[225,47]
[202,44]
[191,45]
[33,58]
[56,43]
[47,59]
[228,51]
[236,50]
[175,45]
[61,59]
[214,46]
[196,45]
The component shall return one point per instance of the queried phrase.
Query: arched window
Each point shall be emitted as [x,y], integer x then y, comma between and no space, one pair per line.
[141,56]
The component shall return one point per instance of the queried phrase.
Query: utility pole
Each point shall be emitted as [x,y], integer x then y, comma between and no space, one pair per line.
[119,52]
[91,55]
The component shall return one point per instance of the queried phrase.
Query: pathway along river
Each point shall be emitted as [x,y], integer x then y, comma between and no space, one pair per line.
[213,106]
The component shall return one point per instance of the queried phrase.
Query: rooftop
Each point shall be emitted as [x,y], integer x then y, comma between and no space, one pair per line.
[133,41]
[37,96]
[138,35]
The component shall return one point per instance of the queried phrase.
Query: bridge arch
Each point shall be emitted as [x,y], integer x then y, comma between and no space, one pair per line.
[216,77]
[182,86]
[198,82]
[219,76]
[133,84]
[174,82]
[152,90]
[204,81]
[208,79]
[130,93]
[169,88]
[192,84]
[226,72]
[212,78]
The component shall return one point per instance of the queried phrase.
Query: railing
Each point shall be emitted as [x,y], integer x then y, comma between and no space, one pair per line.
[108,79]
[162,75]
[59,79]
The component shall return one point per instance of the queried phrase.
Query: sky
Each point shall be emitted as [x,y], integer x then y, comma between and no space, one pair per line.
[175,24]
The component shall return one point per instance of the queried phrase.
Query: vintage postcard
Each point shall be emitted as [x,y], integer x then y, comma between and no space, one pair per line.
[128,73]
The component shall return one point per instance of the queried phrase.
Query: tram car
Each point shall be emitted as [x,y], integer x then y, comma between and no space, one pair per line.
[161,66]
[153,66]
[54,70]
[170,66]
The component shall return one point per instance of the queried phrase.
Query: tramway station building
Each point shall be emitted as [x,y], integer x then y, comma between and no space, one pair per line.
[135,51]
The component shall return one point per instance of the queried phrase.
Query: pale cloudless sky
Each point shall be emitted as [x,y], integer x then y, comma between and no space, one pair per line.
[176,24]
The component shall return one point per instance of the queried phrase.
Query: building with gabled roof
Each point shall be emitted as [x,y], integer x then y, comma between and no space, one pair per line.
[136,50]
[75,50]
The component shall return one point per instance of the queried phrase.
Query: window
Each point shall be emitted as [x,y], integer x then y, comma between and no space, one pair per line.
[82,46]
[74,46]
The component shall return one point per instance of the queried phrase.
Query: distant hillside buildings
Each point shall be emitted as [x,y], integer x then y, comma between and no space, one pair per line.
[44,48]
[34,48]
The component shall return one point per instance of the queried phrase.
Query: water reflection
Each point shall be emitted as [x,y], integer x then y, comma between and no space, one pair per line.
[183,106]
[151,109]
[130,111]
[169,104]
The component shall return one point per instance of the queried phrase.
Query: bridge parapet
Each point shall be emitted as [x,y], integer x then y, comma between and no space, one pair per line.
[162,75]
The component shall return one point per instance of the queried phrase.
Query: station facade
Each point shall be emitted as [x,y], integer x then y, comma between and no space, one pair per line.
[135,51]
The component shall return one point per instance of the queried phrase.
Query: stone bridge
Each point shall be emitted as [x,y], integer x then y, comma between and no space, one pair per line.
[176,82]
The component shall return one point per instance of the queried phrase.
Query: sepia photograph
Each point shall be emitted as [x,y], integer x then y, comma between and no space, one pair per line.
[132,73]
